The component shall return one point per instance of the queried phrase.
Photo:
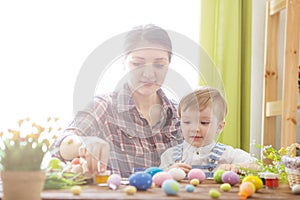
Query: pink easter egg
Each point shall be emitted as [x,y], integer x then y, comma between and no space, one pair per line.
[160,177]
[196,174]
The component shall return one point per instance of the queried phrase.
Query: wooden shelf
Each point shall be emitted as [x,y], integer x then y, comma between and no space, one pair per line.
[272,107]
[276,6]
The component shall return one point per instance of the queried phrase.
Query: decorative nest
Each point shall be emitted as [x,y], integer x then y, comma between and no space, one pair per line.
[292,165]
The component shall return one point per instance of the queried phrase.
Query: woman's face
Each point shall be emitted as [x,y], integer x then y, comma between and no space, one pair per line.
[148,68]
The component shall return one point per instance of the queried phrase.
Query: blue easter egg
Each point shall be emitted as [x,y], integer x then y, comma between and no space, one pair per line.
[189,188]
[141,180]
[153,170]
[170,187]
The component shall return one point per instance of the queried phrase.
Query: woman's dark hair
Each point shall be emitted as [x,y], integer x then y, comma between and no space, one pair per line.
[143,35]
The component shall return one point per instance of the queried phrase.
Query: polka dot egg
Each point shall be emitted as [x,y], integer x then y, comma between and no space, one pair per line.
[141,180]
[196,173]
[170,187]
[160,177]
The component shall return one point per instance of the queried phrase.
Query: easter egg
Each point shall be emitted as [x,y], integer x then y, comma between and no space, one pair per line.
[130,190]
[296,189]
[160,177]
[55,164]
[195,182]
[246,189]
[189,188]
[196,173]
[177,173]
[218,175]
[255,180]
[76,190]
[141,180]
[153,185]
[69,147]
[153,170]
[225,187]
[230,177]
[213,193]
[76,161]
[170,187]
[114,181]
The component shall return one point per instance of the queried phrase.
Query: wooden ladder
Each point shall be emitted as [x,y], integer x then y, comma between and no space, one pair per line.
[272,106]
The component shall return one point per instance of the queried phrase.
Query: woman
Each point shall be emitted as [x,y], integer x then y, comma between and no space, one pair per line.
[132,126]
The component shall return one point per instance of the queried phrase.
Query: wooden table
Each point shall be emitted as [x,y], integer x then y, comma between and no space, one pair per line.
[93,192]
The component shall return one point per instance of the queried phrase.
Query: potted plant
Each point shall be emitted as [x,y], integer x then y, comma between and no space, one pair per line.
[270,162]
[22,151]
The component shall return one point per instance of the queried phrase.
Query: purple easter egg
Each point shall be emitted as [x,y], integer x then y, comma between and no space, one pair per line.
[230,177]
[114,180]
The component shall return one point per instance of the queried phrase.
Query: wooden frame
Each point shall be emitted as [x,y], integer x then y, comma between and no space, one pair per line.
[272,106]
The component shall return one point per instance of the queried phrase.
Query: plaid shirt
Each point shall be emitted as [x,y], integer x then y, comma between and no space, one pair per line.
[133,142]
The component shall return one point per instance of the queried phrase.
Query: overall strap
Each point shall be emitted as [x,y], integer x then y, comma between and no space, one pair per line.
[213,159]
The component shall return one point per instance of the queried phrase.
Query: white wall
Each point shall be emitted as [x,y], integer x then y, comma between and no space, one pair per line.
[257,69]
[45,43]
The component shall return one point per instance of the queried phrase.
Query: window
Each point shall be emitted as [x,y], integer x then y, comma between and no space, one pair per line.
[45,43]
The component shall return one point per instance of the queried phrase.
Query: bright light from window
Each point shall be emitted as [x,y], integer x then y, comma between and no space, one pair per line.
[44,44]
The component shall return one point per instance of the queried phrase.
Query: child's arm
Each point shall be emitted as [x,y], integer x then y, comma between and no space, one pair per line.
[239,167]
[238,160]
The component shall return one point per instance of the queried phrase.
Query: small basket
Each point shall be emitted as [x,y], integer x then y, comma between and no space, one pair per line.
[292,165]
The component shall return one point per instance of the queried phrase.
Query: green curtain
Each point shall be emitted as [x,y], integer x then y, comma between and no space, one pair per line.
[225,35]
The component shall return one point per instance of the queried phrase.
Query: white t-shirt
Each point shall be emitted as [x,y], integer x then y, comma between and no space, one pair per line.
[200,156]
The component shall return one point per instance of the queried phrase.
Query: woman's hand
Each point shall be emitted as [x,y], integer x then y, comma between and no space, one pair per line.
[96,152]
[93,149]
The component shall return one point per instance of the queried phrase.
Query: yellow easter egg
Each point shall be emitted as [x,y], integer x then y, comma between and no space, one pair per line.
[195,182]
[76,190]
[130,190]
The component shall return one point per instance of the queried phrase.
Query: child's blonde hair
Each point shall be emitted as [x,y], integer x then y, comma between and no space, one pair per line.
[203,97]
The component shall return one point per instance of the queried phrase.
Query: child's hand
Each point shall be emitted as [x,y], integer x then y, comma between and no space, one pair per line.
[239,168]
[185,167]
[229,167]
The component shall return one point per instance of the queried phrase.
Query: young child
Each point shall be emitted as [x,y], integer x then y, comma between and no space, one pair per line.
[202,117]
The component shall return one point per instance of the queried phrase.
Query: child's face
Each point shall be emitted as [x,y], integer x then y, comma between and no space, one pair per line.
[200,128]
